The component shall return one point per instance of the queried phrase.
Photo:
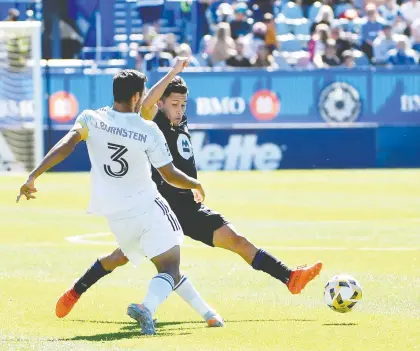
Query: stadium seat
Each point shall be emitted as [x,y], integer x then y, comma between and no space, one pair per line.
[281,61]
[303,28]
[292,11]
[291,44]
[313,11]
[281,27]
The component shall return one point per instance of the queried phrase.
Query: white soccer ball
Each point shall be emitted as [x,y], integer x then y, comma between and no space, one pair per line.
[342,292]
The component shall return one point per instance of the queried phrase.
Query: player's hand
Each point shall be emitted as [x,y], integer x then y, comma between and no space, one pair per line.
[199,194]
[27,190]
[180,64]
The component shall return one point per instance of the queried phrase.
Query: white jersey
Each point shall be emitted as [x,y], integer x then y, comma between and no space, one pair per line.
[121,147]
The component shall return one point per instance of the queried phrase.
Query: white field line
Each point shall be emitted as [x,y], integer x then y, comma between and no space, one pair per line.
[87,240]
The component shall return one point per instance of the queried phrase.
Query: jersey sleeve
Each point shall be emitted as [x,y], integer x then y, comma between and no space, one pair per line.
[158,152]
[81,125]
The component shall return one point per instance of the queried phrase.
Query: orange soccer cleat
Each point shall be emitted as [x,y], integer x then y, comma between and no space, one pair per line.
[301,276]
[66,302]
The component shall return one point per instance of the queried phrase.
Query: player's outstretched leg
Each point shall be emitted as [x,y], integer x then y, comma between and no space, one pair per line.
[168,279]
[187,292]
[99,269]
[227,238]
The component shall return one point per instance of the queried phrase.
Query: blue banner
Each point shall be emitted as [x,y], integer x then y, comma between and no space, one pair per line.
[270,149]
[297,148]
[265,149]
[383,96]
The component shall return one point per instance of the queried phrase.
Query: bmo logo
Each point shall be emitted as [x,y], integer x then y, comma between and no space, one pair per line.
[220,106]
[265,105]
[242,152]
[63,106]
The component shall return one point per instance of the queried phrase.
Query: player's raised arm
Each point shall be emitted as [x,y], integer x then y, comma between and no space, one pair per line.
[57,154]
[149,108]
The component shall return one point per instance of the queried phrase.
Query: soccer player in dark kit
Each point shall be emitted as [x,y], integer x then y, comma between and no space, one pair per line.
[197,220]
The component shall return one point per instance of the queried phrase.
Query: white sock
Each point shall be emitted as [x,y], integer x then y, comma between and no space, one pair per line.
[188,293]
[159,289]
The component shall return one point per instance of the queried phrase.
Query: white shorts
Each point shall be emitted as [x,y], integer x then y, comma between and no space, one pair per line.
[148,234]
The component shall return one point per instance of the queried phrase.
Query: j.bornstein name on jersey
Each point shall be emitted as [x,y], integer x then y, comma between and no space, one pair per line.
[120,131]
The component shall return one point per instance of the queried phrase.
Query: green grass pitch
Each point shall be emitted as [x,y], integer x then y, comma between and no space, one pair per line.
[365,223]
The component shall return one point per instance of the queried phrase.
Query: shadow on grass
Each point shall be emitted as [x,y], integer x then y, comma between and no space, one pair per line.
[165,324]
[340,324]
[135,334]
[130,330]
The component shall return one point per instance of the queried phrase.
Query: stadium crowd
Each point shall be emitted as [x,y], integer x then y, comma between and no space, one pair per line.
[301,33]
[275,34]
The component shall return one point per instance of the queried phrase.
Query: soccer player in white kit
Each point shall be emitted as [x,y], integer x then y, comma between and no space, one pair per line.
[121,146]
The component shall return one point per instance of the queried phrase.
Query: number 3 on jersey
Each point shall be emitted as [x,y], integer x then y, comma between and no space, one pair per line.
[117,157]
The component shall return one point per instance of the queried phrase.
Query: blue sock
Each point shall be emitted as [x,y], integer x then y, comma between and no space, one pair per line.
[92,275]
[263,261]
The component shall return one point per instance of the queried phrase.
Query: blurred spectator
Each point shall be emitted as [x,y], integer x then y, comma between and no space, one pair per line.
[348,59]
[391,14]
[371,27]
[264,59]
[317,44]
[184,50]
[240,25]
[222,45]
[212,14]
[150,36]
[343,41]
[171,45]
[204,50]
[342,6]
[13,15]
[71,41]
[411,10]
[382,44]
[157,58]
[415,32]
[330,57]
[238,59]
[402,56]
[186,20]
[255,39]
[261,7]
[150,11]
[325,16]
[271,35]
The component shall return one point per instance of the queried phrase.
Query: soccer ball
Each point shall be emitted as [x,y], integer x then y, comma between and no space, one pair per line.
[342,292]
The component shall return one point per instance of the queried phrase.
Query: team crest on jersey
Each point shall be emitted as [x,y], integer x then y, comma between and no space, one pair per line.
[184,146]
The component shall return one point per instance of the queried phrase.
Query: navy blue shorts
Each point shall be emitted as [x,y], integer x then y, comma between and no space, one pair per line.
[197,220]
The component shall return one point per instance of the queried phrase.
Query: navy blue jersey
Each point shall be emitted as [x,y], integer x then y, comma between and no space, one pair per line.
[179,143]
